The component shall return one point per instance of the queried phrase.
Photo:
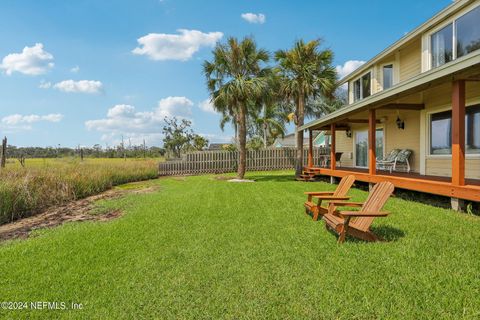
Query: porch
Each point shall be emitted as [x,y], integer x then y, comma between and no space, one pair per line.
[403,117]
[410,181]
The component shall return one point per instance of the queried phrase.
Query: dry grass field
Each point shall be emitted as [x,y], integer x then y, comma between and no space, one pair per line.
[43,183]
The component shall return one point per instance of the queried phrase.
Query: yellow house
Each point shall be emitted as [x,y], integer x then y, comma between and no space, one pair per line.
[421,94]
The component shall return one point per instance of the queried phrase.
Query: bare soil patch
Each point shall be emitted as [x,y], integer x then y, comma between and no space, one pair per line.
[79,210]
[221,178]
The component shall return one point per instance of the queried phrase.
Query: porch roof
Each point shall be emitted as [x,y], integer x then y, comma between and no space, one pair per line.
[467,67]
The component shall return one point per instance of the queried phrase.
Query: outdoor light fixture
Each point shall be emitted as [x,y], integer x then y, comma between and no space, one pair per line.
[348,133]
[400,123]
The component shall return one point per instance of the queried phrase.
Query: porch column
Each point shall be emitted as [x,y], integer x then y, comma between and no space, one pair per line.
[333,162]
[458,133]
[310,148]
[372,130]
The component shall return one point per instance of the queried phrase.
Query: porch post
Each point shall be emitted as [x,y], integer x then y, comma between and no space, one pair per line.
[372,159]
[310,148]
[458,133]
[333,163]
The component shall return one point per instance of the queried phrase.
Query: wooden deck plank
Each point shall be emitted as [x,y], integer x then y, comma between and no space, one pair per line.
[411,181]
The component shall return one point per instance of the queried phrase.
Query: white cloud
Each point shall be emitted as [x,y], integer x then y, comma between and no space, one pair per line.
[348,67]
[174,107]
[24,122]
[207,106]
[45,85]
[123,119]
[75,69]
[215,138]
[82,86]
[31,61]
[182,46]
[254,17]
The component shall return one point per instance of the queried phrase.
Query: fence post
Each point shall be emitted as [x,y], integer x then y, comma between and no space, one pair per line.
[3,160]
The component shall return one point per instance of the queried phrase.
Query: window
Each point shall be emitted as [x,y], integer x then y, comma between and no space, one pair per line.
[356,90]
[387,76]
[457,39]
[366,82]
[472,130]
[441,132]
[362,87]
[361,147]
[442,46]
[468,32]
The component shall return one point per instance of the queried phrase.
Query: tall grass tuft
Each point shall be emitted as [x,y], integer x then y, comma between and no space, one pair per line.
[46,183]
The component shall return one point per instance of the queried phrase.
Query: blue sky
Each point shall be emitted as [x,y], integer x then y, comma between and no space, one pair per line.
[85,72]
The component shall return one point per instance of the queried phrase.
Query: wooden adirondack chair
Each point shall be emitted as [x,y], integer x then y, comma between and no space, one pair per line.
[357,223]
[316,209]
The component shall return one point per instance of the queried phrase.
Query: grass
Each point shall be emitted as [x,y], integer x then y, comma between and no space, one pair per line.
[48,182]
[204,248]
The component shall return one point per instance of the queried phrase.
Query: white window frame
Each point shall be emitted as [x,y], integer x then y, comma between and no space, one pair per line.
[354,136]
[361,87]
[428,36]
[382,66]
[428,118]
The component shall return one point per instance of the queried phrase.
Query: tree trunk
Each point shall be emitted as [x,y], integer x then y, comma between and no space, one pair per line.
[235,125]
[265,137]
[3,160]
[265,126]
[242,141]
[300,119]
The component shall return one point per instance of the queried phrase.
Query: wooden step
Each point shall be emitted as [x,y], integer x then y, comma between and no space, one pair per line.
[304,177]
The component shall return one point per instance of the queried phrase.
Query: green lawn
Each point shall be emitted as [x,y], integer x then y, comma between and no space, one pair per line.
[204,248]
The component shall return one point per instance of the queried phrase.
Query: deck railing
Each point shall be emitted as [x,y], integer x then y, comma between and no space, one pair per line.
[202,162]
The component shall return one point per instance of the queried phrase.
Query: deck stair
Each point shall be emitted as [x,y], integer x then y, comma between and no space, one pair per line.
[307,175]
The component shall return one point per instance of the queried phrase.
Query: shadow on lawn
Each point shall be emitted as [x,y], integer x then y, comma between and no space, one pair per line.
[386,233]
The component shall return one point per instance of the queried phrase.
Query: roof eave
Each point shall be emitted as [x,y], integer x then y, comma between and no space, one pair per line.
[425,77]
[451,8]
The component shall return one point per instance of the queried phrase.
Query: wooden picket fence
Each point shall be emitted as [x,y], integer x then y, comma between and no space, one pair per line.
[202,162]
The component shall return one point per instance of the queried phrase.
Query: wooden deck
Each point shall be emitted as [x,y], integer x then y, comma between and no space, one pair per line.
[411,181]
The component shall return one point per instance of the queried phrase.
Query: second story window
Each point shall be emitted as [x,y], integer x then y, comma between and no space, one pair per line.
[387,76]
[442,46]
[362,87]
[468,32]
[456,39]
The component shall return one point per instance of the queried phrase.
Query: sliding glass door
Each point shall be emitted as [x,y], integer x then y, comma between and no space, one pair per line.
[361,147]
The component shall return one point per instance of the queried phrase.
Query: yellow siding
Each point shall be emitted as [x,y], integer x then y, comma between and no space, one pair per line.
[409,138]
[376,79]
[443,167]
[345,145]
[410,60]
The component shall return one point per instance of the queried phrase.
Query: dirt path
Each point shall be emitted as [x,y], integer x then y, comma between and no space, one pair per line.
[80,210]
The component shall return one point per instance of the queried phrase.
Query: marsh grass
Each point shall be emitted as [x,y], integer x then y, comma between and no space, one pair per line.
[48,182]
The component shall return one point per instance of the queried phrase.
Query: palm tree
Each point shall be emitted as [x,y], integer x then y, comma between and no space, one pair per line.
[229,117]
[270,123]
[306,73]
[235,76]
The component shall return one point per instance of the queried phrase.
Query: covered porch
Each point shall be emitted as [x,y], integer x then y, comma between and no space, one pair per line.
[401,117]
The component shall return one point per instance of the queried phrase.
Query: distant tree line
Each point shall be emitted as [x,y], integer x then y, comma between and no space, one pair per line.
[178,138]
[96,151]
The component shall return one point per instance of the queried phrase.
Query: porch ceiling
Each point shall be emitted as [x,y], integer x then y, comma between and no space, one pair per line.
[466,68]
